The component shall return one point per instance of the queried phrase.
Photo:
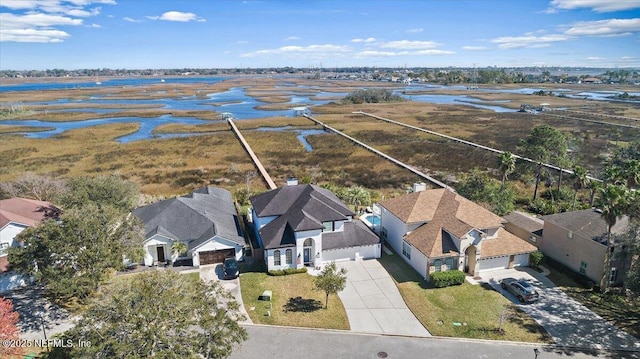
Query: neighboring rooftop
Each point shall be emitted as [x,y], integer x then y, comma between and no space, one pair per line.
[587,223]
[525,221]
[24,211]
[446,213]
[196,217]
[298,208]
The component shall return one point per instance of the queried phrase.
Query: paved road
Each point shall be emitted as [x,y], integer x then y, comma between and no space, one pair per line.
[373,302]
[296,343]
[36,311]
[214,272]
[567,321]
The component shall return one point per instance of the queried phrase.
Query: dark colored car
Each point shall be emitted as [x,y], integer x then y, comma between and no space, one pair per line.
[230,268]
[523,290]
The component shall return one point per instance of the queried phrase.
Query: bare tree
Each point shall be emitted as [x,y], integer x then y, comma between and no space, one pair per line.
[35,186]
[248,177]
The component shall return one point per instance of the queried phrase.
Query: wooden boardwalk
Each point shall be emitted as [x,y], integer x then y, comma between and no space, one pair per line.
[253,156]
[381,154]
[470,143]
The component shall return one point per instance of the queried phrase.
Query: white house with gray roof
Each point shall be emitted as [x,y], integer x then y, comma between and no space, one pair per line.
[205,220]
[306,225]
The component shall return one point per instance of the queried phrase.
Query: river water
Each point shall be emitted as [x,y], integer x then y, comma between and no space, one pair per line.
[235,101]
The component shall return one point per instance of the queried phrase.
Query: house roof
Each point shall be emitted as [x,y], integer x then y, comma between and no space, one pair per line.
[28,212]
[505,243]
[445,213]
[298,208]
[355,234]
[525,221]
[422,207]
[195,218]
[587,223]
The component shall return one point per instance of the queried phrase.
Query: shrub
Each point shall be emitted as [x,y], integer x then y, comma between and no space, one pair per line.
[447,278]
[287,271]
[535,258]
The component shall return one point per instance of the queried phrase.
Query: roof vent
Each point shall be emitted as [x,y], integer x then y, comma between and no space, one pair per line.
[418,187]
[292,181]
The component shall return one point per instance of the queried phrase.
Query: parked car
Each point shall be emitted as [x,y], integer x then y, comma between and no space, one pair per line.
[523,290]
[230,268]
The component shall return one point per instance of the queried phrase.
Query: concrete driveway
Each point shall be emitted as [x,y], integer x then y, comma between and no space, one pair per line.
[214,272]
[373,302]
[567,321]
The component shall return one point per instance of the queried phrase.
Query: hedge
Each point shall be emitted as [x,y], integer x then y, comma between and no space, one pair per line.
[447,278]
[287,271]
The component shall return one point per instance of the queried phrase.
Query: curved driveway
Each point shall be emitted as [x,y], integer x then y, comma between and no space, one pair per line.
[567,321]
[373,302]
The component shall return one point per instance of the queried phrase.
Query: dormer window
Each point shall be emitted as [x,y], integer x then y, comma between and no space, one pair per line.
[328,226]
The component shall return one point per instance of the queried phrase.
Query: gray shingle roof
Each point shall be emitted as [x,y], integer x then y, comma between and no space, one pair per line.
[587,223]
[299,208]
[525,221]
[355,234]
[194,218]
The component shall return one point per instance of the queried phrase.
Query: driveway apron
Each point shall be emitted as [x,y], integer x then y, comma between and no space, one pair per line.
[567,321]
[213,272]
[373,302]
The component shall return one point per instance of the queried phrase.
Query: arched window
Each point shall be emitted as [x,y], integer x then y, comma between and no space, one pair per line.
[276,258]
[289,255]
[308,242]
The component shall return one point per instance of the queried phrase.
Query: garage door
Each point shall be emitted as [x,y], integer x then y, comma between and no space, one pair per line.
[521,260]
[494,263]
[210,257]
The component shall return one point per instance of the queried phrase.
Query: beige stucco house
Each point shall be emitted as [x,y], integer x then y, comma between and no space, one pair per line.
[578,239]
[437,230]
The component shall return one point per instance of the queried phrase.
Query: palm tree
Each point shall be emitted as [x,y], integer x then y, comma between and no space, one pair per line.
[593,186]
[507,164]
[177,248]
[631,171]
[579,181]
[611,202]
[358,196]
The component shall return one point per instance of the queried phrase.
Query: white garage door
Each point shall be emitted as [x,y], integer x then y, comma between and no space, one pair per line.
[521,260]
[494,263]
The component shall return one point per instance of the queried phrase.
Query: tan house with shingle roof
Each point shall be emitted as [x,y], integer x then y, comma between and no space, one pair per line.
[436,230]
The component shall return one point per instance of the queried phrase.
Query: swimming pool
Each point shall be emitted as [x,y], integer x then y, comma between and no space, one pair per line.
[371,220]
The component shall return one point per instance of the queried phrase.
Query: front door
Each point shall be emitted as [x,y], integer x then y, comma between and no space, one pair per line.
[307,255]
[160,253]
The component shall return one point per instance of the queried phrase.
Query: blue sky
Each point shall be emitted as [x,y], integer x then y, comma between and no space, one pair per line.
[137,34]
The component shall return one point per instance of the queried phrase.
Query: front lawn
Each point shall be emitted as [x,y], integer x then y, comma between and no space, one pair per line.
[294,302]
[468,311]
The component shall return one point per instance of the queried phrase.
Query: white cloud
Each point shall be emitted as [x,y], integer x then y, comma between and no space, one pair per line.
[627,58]
[316,50]
[40,18]
[595,58]
[474,48]
[367,40]
[97,26]
[528,41]
[413,31]
[291,38]
[177,16]
[32,35]
[433,52]
[610,27]
[128,19]
[242,42]
[595,5]
[410,45]
[9,20]
[372,53]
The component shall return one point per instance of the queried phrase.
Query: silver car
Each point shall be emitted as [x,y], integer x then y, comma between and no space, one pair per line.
[523,290]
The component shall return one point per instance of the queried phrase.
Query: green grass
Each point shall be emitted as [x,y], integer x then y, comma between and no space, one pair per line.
[476,308]
[294,302]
